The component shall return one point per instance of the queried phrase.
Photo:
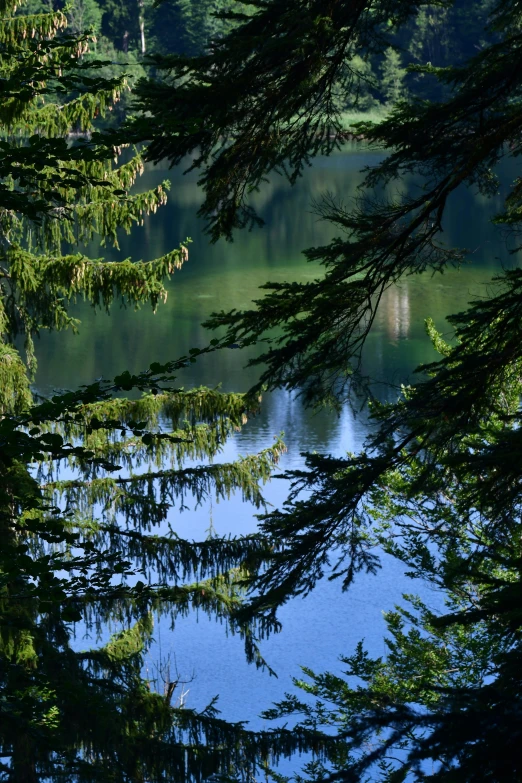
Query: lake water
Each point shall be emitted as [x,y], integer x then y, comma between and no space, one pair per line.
[327,623]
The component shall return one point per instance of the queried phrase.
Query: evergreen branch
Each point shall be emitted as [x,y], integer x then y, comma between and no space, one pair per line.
[135,496]
[271,92]
[40,285]
[55,119]
[41,25]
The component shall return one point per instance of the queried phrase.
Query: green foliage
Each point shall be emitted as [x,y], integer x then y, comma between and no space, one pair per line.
[14,383]
[187,26]
[115,62]
[91,549]
[430,40]
[301,86]
[392,77]
[55,190]
[100,548]
[444,502]
[438,483]
[437,486]
[84,16]
[120,23]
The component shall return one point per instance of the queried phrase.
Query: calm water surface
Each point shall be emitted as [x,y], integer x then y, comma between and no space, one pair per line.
[327,623]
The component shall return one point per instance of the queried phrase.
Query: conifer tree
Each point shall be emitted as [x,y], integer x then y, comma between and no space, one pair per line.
[93,549]
[441,705]
[392,76]
[438,484]
[57,193]
[439,481]
[99,548]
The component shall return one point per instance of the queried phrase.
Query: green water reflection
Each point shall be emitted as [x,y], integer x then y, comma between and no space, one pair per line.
[228,275]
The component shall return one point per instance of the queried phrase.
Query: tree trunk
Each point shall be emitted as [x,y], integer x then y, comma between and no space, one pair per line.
[142,26]
[23,767]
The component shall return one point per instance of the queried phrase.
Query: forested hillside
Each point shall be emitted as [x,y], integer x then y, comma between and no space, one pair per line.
[128,31]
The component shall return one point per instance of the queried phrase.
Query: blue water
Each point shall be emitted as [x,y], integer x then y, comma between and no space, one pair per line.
[327,623]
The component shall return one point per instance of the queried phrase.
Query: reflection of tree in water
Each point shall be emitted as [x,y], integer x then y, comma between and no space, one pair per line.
[394,312]
[224,275]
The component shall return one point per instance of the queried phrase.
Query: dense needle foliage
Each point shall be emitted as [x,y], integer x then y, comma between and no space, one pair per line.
[438,484]
[90,481]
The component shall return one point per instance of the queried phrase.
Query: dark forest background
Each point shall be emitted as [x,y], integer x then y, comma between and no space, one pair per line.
[128,31]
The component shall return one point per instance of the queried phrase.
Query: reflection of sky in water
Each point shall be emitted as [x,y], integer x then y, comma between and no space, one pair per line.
[327,623]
